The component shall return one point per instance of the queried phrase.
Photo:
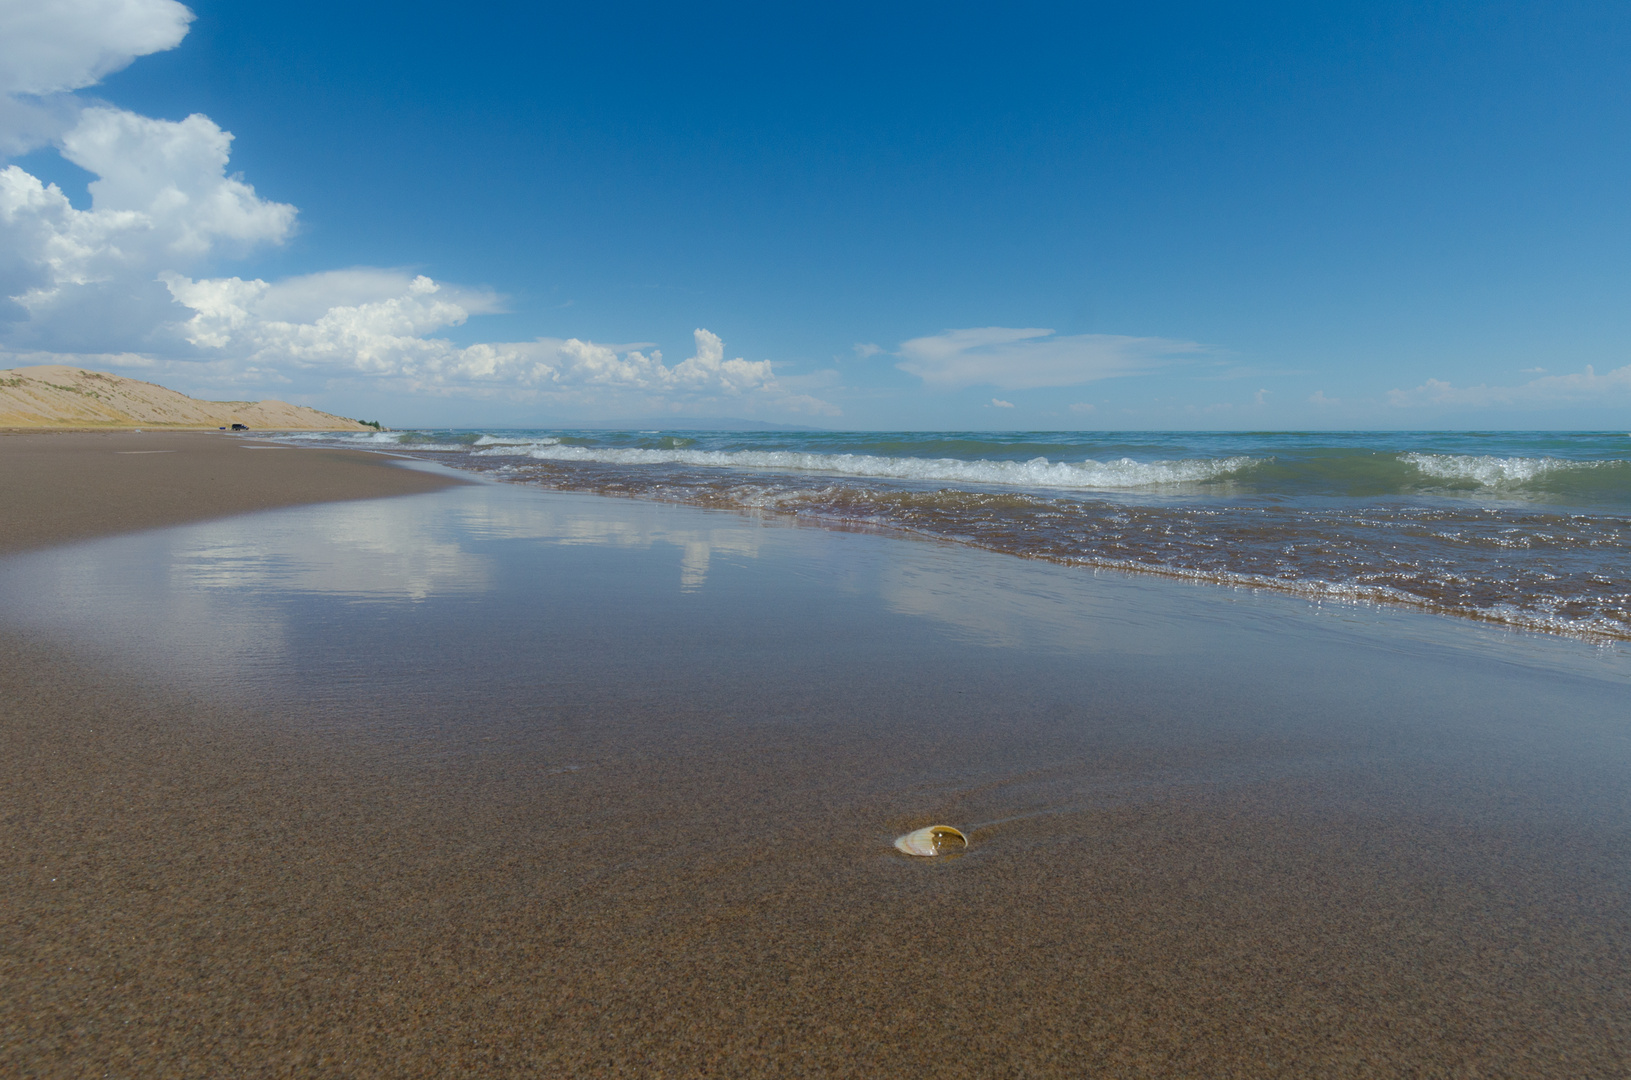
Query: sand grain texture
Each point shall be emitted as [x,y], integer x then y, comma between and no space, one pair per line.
[192,893]
[221,886]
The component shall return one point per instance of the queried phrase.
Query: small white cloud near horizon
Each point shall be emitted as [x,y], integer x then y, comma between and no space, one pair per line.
[998,403]
[1030,358]
[387,334]
[1083,407]
[1549,390]
[1318,398]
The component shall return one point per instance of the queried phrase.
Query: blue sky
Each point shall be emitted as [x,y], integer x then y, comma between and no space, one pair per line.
[933,216]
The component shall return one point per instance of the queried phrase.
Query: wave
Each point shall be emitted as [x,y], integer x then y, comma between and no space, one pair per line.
[1521,535]
[1038,472]
[1556,471]
[346,438]
[408,440]
[501,440]
[1485,470]
[1543,615]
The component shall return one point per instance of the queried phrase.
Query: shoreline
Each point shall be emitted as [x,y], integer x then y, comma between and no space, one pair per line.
[611,786]
[1359,596]
[74,485]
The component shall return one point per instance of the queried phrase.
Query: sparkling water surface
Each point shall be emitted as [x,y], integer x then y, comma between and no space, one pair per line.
[1531,529]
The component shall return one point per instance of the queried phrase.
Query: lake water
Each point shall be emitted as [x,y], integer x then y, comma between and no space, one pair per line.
[1529,529]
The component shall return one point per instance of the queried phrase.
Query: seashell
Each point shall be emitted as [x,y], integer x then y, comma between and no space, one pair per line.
[930,840]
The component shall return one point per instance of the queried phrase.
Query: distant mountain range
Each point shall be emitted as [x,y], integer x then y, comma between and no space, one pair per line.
[57,396]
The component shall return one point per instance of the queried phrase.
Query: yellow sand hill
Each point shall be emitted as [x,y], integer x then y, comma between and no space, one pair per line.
[55,396]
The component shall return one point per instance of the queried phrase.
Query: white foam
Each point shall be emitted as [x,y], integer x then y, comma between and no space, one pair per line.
[501,440]
[1038,472]
[1494,472]
[386,437]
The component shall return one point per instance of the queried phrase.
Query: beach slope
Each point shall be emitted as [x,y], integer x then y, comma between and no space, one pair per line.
[58,396]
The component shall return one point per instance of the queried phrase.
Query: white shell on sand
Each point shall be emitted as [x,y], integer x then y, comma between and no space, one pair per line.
[931,840]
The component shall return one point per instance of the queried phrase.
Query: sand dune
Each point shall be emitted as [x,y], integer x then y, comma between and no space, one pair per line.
[57,396]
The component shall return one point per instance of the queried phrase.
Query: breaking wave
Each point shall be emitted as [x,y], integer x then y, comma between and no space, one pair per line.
[1485,470]
[1526,529]
[1123,474]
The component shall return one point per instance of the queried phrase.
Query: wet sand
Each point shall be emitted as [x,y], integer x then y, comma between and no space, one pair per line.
[539,811]
[70,485]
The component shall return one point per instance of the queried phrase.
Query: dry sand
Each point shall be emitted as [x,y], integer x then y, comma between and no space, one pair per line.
[58,396]
[193,890]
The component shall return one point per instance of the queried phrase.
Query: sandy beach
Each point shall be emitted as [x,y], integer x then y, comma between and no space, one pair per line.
[68,485]
[493,781]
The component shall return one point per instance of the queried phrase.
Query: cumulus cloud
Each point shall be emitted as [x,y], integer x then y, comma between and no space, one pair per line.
[120,284]
[162,201]
[49,49]
[84,279]
[168,179]
[1029,358]
[388,332]
[1580,387]
[161,197]
[998,403]
[46,47]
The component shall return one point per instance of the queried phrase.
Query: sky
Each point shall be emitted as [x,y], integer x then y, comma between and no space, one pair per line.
[912,216]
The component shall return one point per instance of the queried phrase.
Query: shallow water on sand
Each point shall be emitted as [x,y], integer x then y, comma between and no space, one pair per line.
[1190,811]
[489,608]
[1529,529]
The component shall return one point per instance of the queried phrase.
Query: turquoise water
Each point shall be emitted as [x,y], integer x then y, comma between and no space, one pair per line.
[1532,529]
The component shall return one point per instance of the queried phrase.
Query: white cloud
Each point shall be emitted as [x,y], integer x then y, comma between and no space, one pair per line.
[120,283]
[308,297]
[171,176]
[1318,398]
[709,367]
[1083,407]
[998,403]
[83,280]
[1025,359]
[161,200]
[1581,387]
[49,48]
[865,349]
[391,337]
